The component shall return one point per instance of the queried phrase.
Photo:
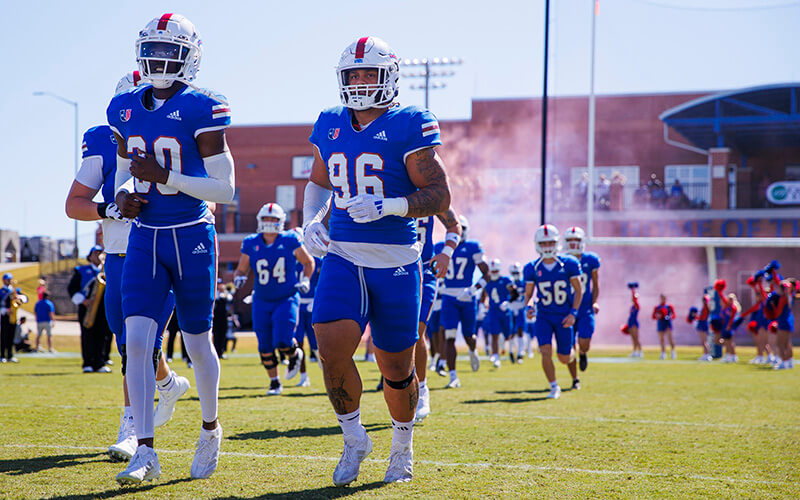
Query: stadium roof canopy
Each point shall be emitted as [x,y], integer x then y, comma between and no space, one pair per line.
[748,120]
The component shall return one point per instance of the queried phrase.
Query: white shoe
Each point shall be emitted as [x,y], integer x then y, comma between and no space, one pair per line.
[86,369]
[304,382]
[758,360]
[663,355]
[206,457]
[294,364]
[13,359]
[704,357]
[370,358]
[453,384]
[734,358]
[555,393]
[474,362]
[674,355]
[401,465]
[423,405]
[633,355]
[167,400]
[434,361]
[275,388]
[143,466]
[126,443]
[352,455]
[495,360]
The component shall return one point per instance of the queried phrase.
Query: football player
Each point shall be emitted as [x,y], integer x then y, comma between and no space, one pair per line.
[273,255]
[172,158]
[575,242]
[434,269]
[96,174]
[518,311]
[375,162]
[498,291]
[631,327]
[664,313]
[557,302]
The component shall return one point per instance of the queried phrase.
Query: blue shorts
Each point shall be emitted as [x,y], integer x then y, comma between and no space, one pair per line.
[761,321]
[702,325]
[584,325]
[433,324]
[185,260]
[274,322]
[726,334]
[786,321]
[547,325]
[304,328]
[498,322]
[456,311]
[387,298]
[519,320]
[663,324]
[113,302]
[428,295]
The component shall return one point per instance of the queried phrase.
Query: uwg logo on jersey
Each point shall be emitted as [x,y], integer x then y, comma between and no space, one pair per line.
[124,114]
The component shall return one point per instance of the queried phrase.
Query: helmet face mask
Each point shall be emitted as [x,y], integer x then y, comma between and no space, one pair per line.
[546,241]
[515,270]
[575,241]
[275,218]
[368,53]
[168,49]
[495,267]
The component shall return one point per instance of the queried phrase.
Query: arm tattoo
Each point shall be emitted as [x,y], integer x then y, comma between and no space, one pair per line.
[448,218]
[434,197]
[337,394]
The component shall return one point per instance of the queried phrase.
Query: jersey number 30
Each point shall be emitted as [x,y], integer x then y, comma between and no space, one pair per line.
[345,188]
[168,155]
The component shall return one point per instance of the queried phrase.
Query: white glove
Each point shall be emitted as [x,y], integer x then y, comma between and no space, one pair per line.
[113,212]
[504,306]
[239,281]
[368,207]
[248,299]
[316,239]
[304,285]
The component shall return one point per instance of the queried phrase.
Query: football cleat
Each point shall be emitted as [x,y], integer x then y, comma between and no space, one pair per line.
[673,354]
[168,398]
[474,361]
[352,455]
[206,457]
[663,355]
[275,388]
[294,364]
[143,466]
[583,361]
[401,465]
[555,393]
[453,384]
[126,443]
[304,382]
[102,369]
[576,384]
[441,369]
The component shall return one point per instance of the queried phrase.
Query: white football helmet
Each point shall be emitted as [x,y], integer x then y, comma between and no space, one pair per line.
[575,241]
[369,52]
[515,270]
[546,233]
[271,210]
[168,49]
[495,267]
[462,219]
[128,81]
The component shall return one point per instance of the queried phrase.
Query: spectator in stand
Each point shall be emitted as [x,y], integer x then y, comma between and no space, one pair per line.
[616,200]
[557,191]
[45,316]
[676,191]
[581,188]
[603,193]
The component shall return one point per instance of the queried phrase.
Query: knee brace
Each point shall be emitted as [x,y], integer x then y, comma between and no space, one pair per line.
[287,352]
[403,383]
[268,360]
[450,333]
[124,354]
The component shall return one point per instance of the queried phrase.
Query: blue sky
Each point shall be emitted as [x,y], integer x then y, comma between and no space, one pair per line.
[275,61]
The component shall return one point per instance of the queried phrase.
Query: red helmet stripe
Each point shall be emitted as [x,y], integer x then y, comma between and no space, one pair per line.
[162,23]
[360,46]
[136,78]
[545,231]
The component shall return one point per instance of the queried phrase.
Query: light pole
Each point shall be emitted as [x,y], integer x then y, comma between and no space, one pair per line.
[426,72]
[74,104]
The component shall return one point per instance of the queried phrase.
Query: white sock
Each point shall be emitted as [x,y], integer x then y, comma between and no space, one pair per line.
[273,379]
[553,384]
[453,375]
[206,372]
[141,376]
[402,434]
[520,345]
[166,383]
[127,413]
[423,385]
[351,425]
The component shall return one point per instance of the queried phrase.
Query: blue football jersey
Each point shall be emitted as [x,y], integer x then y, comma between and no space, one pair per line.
[313,280]
[498,291]
[372,161]
[462,264]
[520,284]
[554,291]
[274,265]
[425,236]
[169,133]
[99,141]
[589,262]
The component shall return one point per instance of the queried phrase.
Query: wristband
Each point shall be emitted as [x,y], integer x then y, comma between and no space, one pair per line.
[454,237]
[574,312]
[448,251]
[480,284]
[101,210]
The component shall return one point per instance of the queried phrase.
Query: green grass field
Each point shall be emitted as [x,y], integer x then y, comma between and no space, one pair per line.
[648,429]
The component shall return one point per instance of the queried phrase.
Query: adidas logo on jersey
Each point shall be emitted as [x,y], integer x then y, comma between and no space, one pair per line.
[381,136]
[175,115]
[400,272]
[200,249]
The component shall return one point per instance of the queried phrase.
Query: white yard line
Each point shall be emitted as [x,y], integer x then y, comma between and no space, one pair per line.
[434,463]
